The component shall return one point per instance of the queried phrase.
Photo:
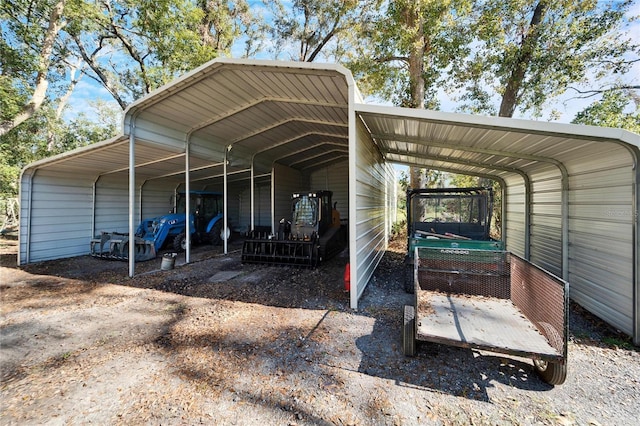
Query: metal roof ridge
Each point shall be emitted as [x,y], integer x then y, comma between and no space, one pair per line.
[201,71]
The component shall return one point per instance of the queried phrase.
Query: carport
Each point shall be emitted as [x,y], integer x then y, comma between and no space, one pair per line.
[260,130]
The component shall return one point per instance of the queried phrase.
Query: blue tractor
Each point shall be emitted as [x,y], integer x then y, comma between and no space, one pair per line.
[168,230]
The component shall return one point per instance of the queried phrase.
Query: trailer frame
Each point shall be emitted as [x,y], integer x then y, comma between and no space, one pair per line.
[489,300]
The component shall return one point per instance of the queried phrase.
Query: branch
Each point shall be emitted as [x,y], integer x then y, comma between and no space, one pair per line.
[104,79]
[594,92]
[44,61]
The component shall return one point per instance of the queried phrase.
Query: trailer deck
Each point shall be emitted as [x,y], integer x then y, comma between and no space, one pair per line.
[464,321]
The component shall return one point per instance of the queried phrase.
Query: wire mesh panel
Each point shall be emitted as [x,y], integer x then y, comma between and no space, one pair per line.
[464,271]
[543,299]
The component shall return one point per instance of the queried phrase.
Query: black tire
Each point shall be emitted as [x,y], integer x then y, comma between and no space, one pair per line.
[215,235]
[409,331]
[408,279]
[180,242]
[551,372]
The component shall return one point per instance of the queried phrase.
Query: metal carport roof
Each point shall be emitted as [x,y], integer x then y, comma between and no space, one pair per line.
[570,191]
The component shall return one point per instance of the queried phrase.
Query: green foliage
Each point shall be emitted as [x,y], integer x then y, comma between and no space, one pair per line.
[23,33]
[403,51]
[623,342]
[409,42]
[404,181]
[43,136]
[11,99]
[135,47]
[531,62]
[306,30]
[399,227]
[616,109]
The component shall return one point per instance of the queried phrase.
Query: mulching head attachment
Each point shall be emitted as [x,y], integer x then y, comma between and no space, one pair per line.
[291,250]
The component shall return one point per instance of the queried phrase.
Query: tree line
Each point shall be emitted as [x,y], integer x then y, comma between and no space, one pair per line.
[493,57]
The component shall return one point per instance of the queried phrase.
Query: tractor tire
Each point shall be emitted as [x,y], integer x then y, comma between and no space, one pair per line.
[180,242]
[215,235]
[551,372]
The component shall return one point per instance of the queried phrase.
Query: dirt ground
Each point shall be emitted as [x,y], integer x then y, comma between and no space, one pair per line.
[219,342]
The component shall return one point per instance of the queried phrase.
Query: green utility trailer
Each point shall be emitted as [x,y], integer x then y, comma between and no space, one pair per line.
[490,300]
[448,219]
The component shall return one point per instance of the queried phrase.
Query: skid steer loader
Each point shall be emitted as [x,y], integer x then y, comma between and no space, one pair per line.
[168,230]
[313,235]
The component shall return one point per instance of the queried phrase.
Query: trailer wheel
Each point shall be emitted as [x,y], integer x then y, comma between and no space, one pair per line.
[551,372]
[180,242]
[409,331]
[408,279]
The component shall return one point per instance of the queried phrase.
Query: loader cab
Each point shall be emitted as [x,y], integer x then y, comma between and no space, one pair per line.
[464,212]
[311,212]
[204,206]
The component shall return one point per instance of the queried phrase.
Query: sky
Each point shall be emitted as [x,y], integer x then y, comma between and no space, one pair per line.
[567,105]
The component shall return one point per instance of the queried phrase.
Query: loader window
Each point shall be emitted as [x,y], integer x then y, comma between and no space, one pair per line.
[449,209]
[211,207]
[305,211]
[180,207]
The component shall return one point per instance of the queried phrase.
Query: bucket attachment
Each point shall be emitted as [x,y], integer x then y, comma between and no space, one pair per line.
[115,245]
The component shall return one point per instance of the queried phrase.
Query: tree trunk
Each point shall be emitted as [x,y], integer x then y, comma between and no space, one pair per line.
[44,60]
[75,74]
[414,24]
[511,96]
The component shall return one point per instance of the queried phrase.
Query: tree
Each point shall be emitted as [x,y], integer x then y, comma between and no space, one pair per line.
[619,109]
[32,140]
[528,51]
[405,54]
[28,53]
[305,30]
[135,47]
[129,47]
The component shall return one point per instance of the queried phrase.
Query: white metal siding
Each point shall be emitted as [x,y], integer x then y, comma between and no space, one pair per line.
[262,205]
[334,178]
[286,182]
[515,215]
[265,116]
[546,218]
[234,199]
[158,198]
[601,235]
[373,178]
[244,210]
[59,217]
[112,205]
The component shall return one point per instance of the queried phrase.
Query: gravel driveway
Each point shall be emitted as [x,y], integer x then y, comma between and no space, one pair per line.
[218,342]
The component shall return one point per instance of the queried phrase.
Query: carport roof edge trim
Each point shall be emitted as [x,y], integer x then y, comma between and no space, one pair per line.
[48,161]
[503,123]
